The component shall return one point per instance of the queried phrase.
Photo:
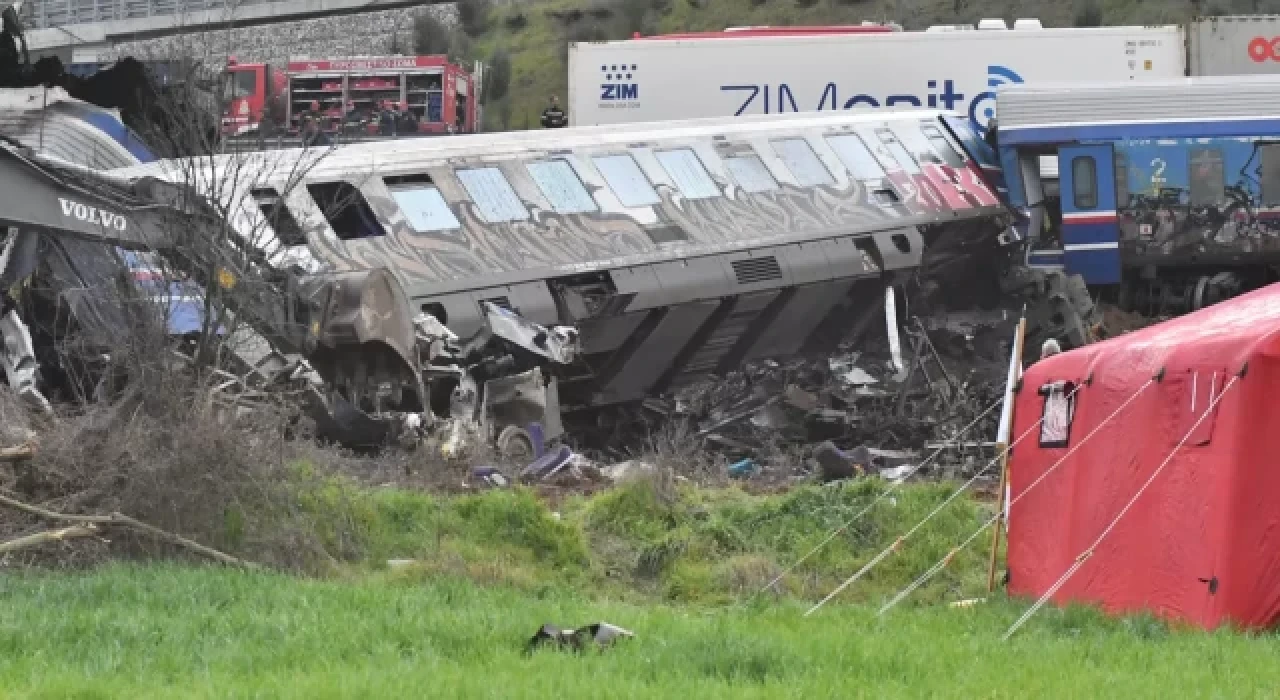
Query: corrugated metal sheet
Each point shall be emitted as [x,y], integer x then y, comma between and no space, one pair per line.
[1225,97]
[1235,45]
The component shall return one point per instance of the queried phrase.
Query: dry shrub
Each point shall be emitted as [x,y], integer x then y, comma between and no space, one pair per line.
[15,422]
[674,446]
[165,457]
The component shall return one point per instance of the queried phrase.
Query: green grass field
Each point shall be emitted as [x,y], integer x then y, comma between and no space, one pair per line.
[670,562]
[165,632]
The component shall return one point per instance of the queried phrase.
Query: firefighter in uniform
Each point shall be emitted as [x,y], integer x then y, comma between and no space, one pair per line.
[553,117]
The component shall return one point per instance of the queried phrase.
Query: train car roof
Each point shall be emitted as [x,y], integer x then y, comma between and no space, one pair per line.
[1223,106]
[363,156]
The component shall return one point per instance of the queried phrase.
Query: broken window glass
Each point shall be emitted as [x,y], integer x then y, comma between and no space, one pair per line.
[917,145]
[493,195]
[346,210]
[1059,411]
[899,151]
[854,154]
[693,180]
[751,174]
[561,186]
[942,146]
[800,159]
[627,180]
[278,217]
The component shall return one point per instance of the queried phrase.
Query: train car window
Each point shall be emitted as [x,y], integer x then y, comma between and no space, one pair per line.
[346,210]
[920,147]
[425,208]
[751,174]
[1207,177]
[561,186]
[1122,180]
[691,178]
[626,180]
[1084,178]
[942,146]
[800,159]
[899,151]
[854,154]
[1269,171]
[279,217]
[493,195]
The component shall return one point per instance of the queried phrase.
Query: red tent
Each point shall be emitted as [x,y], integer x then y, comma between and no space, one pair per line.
[1202,542]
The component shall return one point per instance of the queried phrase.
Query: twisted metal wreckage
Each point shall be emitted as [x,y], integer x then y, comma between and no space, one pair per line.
[586,268]
[367,367]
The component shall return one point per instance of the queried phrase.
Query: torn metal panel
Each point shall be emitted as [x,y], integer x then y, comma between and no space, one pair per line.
[557,343]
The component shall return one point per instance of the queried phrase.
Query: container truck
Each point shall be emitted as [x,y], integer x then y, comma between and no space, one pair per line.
[761,70]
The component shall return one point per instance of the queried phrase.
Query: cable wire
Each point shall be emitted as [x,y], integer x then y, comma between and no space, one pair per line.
[883,495]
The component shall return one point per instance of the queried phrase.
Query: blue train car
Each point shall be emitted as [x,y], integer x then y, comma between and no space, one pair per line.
[1167,193]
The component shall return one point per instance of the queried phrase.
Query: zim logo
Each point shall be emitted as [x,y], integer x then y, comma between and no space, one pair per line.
[613,88]
[92,215]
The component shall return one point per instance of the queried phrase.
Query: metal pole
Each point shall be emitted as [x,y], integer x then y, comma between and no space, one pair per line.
[1015,372]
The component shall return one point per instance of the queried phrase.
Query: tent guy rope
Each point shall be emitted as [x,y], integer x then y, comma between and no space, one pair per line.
[883,495]
[944,561]
[1088,552]
[903,538]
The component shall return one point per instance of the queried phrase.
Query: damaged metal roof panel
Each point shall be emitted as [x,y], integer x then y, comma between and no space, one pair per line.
[50,122]
[679,249]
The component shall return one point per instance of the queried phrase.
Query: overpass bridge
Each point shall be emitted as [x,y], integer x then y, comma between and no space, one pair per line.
[86,31]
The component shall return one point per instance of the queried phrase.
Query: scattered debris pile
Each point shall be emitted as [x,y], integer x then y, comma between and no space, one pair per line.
[954,371]
[933,381]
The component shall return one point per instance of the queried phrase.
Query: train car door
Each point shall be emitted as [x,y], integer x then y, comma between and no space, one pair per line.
[1090,229]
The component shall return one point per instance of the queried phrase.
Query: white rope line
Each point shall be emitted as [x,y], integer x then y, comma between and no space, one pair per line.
[1071,570]
[883,495]
[898,542]
[1084,556]
[942,563]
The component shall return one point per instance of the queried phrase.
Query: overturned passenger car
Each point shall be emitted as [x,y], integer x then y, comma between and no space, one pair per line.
[678,250]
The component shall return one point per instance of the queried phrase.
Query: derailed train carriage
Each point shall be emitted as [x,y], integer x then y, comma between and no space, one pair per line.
[678,250]
[1166,194]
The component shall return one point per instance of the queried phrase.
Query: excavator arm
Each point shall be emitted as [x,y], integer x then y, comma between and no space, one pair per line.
[354,328]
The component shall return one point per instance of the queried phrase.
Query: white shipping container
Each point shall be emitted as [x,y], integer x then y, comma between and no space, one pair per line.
[659,79]
[1235,45]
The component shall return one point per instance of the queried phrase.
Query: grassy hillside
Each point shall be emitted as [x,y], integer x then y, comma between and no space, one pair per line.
[654,540]
[536,33]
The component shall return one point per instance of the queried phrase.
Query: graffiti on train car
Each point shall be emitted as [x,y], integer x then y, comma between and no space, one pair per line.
[613,235]
[1198,196]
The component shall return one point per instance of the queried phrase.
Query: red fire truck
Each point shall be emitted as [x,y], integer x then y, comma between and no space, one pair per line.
[349,91]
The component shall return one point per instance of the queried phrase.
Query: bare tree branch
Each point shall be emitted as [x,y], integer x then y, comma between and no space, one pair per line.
[90,522]
[44,537]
